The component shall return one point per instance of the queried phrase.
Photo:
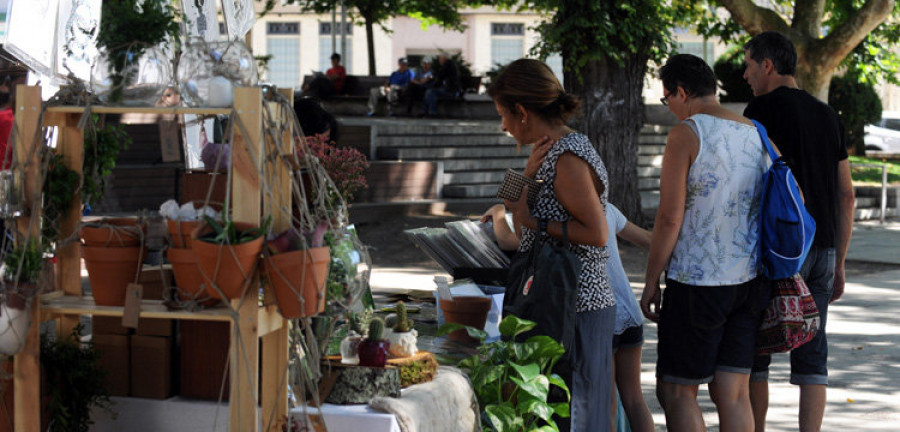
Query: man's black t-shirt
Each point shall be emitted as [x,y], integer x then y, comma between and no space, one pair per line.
[811,140]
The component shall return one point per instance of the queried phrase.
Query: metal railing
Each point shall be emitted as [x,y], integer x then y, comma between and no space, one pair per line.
[884,176]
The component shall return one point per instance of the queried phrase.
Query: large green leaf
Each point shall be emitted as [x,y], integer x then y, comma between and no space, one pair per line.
[512,326]
[559,382]
[561,409]
[488,375]
[527,372]
[535,407]
[538,387]
[503,418]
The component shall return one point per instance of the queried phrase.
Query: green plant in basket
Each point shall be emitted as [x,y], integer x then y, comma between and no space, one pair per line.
[24,263]
[512,380]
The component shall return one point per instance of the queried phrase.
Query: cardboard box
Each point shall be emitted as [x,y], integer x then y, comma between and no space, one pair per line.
[155,327]
[106,325]
[114,358]
[155,280]
[204,358]
[151,367]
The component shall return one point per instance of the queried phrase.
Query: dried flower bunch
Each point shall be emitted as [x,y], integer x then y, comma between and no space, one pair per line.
[345,165]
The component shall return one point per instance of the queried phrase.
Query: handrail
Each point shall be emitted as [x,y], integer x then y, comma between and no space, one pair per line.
[884,168]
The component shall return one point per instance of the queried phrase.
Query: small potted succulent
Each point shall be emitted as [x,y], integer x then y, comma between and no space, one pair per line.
[356,321]
[403,336]
[227,253]
[296,265]
[373,350]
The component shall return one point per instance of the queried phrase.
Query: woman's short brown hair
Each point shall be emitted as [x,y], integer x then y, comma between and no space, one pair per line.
[532,84]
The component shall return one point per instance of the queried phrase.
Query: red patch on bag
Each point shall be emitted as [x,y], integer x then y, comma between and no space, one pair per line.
[527,288]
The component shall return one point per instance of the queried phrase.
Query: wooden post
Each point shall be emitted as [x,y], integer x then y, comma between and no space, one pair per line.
[70,145]
[27,368]
[247,155]
[276,343]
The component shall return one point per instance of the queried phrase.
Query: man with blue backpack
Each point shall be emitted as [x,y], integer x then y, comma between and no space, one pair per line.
[811,140]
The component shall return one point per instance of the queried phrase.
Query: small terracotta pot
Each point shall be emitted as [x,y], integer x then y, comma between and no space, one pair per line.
[180,233]
[298,278]
[373,353]
[124,232]
[468,311]
[187,274]
[110,270]
[235,263]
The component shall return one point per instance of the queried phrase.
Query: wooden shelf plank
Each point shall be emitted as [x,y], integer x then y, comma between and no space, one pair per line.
[139,110]
[75,305]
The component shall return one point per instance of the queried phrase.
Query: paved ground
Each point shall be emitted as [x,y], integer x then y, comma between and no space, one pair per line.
[864,332]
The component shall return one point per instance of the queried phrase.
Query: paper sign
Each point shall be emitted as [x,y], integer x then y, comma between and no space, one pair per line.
[443,287]
[133,295]
[169,134]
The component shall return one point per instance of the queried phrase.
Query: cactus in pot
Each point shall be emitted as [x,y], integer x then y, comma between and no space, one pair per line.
[356,321]
[373,350]
[403,337]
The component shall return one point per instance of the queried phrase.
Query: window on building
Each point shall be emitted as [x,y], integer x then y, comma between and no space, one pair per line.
[325,48]
[283,44]
[556,65]
[507,42]
[703,49]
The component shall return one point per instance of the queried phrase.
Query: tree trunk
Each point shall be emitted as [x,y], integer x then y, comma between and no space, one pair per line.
[370,45]
[812,74]
[612,113]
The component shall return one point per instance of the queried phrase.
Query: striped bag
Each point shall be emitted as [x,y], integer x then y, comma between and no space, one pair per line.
[791,318]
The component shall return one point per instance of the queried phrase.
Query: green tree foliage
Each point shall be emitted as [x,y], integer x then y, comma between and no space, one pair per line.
[729,69]
[857,104]
[858,34]
[370,13]
[606,46]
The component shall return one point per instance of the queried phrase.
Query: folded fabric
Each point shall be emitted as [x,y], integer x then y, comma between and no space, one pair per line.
[446,403]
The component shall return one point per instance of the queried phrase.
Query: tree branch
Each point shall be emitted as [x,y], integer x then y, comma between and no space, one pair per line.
[808,17]
[845,37]
[755,19]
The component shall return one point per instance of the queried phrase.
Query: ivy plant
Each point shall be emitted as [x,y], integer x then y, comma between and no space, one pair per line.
[75,382]
[102,145]
[24,262]
[513,380]
[59,191]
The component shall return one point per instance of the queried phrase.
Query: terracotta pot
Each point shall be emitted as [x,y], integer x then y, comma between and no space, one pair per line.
[298,278]
[110,270]
[468,311]
[373,353]
[123,233]
[180,233]
[187,274]
[235,263]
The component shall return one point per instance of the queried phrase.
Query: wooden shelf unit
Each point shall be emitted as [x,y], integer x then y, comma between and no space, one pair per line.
[252,322]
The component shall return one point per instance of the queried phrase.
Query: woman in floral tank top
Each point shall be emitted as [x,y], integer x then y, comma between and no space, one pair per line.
[534,108]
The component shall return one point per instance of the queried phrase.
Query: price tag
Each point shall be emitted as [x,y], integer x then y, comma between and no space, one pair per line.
[443,287]
[132,312]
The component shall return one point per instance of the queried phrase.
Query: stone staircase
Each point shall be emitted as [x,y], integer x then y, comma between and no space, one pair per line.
[472,157]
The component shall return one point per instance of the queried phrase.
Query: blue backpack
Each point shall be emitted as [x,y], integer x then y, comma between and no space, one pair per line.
[786,229]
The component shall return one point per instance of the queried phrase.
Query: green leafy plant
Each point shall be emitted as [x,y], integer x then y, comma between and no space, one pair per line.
[512,380]
[128,28]
[59,191]
[24,262]
[857,104]
[225,232]
[76,382]
[102,145]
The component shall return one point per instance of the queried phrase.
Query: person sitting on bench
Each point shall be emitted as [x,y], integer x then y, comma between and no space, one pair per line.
[392,89]
[415,90]
[327,85]
[446,85]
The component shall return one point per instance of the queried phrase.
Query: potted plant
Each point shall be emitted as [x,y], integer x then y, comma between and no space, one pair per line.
[296,265]
[373,350]
[402,336]
[227,253]
[513,380]
[356,332]
[113,250]
[181,222]
[75,382]
[23,268]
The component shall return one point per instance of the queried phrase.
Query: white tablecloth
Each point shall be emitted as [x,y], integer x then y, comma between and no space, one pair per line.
[352,418]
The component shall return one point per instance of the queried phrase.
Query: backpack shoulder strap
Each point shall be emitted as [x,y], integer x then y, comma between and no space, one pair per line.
[764,137]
